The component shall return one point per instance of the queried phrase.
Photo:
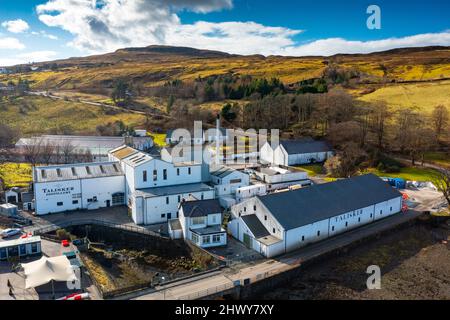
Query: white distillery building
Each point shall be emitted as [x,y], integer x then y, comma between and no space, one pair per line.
[154,188]
[200,221]
[296,152]
[87,186]
[97,146]
[282,222]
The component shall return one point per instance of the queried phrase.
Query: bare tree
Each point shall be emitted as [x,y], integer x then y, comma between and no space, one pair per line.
[32,151]
[67,150]
[379,115]
[440,119]
[47,152]
[442,183]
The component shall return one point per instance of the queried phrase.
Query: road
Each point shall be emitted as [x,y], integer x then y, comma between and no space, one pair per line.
[206,286]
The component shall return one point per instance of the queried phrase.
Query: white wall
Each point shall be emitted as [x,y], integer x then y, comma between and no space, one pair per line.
[306,158]
[156,210]
[74,194]
[266,153]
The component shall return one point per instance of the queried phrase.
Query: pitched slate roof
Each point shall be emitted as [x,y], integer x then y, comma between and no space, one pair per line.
[255,226]
[301,207]
[223,172]
[305,146]
[201,208]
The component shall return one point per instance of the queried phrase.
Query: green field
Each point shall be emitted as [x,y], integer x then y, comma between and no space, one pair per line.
[419,97]
[440,158]
[312,169]
[38,115]
[408,173]
[15,174]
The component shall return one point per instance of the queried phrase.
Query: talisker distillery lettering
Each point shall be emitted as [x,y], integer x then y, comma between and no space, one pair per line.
[58,191]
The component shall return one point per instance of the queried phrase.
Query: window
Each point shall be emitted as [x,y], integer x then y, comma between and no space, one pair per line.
[332,228]
[59,173]
[88,170]
[167,200]
[235,181]
[3,253]
[245,209]
[346,224]
[60,204]
[198,220]
[189,170]
[194,238]
[303,238]
[22,250]
[75,202]
[391,208]
[217,238]
[206,239]
[179,199]
[102,169]
[144,175]
[163,216]
[118,198]
[202,196]
[265,218]
[178,171]
[214,219]
[44,174]
[94,199]
[359,219]
[155,175]
[254,208]
[34,248]
[381,211]
[273,230]
[318,233]
[371,215]
[165,174]
[74,172]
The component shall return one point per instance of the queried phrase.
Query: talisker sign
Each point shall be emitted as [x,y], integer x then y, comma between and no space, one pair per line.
[57,191]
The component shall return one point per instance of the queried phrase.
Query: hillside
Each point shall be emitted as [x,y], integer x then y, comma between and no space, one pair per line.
[155,65]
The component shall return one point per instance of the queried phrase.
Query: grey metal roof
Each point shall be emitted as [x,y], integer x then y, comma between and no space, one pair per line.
[170,190]
[93,143]
[305,146]
[77,171]
[27,197]
[255,226]
[201,208]
[208,230]
[301,207]
[223,172]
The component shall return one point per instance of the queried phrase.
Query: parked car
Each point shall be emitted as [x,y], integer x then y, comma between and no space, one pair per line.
[78,242]
[65,243]
[10,233]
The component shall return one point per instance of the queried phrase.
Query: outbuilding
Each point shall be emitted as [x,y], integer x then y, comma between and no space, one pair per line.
[296,152]
[293,219]
[21,247]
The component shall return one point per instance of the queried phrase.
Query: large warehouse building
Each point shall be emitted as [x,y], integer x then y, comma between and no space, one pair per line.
[281,222]
[78,187]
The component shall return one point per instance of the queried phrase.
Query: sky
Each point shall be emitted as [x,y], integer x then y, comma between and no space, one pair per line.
[43,30]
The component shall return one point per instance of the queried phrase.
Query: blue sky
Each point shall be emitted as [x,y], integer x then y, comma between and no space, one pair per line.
[36,30]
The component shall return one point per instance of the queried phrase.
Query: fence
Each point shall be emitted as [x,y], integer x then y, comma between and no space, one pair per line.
[208,292]
[81,222]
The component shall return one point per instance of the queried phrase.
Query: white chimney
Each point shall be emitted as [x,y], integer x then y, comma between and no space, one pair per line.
[217,139]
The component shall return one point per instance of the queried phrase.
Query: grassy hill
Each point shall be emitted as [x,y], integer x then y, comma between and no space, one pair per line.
[155,65]
[37,115]
[417,96]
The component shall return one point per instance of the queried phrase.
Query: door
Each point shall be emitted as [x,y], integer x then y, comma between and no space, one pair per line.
[108,203]
[169,216]
[29,206]
[248,241]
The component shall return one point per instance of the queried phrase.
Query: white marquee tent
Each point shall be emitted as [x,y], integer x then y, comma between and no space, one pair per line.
[45,270]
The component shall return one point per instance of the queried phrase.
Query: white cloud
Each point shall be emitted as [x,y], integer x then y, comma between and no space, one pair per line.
[44,34]
[106,25]
[28,57]
[11,43]
[16,26]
